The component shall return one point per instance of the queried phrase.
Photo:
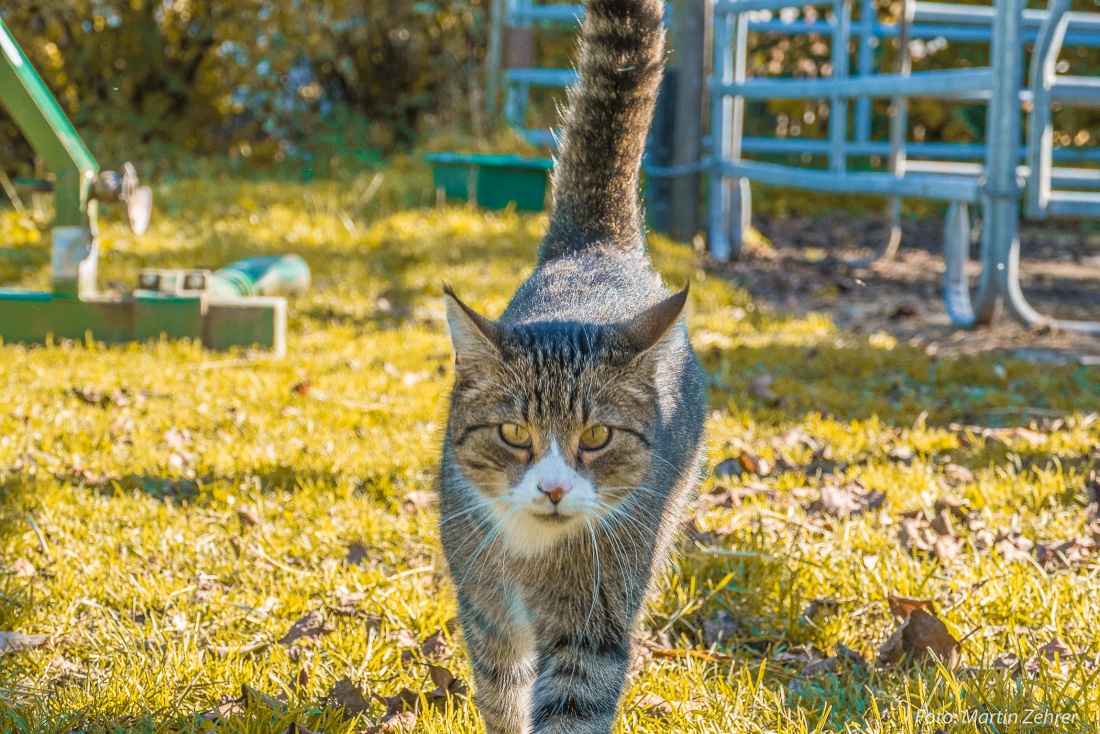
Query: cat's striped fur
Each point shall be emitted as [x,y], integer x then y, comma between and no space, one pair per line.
[552,545]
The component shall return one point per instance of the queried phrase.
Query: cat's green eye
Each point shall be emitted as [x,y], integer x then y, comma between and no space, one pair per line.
[515,435]
[595,437]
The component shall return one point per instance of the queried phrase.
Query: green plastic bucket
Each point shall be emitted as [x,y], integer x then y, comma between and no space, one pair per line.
[496,181]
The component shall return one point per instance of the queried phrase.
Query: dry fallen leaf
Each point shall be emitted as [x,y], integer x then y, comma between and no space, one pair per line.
[15,641]
[249,517]
[845,500]
[1072,552]
[405,700]
[24,569]
[828,665]
[1055,649]
[357,554]
[956,474]
[345,695]
[436,647]
[658,706]
[902,606]
[226,651]
[312,625]
[722,628]
[446,685]
[652,703]
[820,606]
[760,388]
[921,633]
[416,499]
[398,722]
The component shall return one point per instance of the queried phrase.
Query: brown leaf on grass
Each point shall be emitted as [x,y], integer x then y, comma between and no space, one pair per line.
[1092,490]
[937,537]
[1055,649]
[902,606]
[846,500]
[24,569]
[820,606]
[346,695]
[227,651]
[16,641]
[248,517]
[399,722]
[957,474]
[941,523]
[760,388]
[828,665]
[722,628]
[370,619]
[652,703]
[847,654]
[405,700]
[312,625]
[660,707]
[660,650]
[436,647]
[296,728]
[700,536]
[920,634]
[223,711]
[357,554]
[404,638]
[1068,553]
[946,547]
[753,464]
[1012,546]
[446,685]
[417,499]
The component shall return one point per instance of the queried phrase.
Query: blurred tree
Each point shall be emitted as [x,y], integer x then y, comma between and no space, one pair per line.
[252,77]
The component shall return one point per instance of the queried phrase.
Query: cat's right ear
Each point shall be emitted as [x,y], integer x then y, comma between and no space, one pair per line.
[473,336]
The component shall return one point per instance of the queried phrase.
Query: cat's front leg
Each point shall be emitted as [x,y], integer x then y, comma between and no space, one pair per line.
[502,654]
[580,680]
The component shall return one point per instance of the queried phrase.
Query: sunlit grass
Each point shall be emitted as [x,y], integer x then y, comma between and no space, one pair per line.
[148,567]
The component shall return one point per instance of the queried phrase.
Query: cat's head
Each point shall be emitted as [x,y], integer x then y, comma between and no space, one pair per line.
[553,423]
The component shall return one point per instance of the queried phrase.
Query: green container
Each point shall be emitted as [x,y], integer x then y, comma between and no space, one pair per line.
[493,181]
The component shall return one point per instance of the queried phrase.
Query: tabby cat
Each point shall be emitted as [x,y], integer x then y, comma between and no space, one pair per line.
[576,419]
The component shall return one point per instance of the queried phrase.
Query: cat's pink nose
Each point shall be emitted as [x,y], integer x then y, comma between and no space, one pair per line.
[554,491]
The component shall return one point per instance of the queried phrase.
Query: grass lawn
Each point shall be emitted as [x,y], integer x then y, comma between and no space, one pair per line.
[167,514]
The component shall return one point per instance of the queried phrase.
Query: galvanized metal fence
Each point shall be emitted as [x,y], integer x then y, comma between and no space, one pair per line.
[994,186]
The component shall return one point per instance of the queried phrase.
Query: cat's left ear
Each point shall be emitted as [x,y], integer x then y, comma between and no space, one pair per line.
[646,330]
[474,337]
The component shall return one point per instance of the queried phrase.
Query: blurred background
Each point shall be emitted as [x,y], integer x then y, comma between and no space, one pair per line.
[328,83]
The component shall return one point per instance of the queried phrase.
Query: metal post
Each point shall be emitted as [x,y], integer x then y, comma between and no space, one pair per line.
[1040,131]
[689,26]
[740,195]
[721,131]
[492,91]
[838,105]
[1001,201]
[899,125]
[867,42]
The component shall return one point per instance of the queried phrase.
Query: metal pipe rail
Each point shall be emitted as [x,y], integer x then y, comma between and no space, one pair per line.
[994,186]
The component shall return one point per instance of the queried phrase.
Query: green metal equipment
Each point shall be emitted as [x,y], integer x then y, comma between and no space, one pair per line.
[242,305]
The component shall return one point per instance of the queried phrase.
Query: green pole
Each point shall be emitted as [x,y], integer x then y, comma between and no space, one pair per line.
[54,139]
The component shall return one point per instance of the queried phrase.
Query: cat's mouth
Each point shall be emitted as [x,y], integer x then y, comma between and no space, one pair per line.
[554,517]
